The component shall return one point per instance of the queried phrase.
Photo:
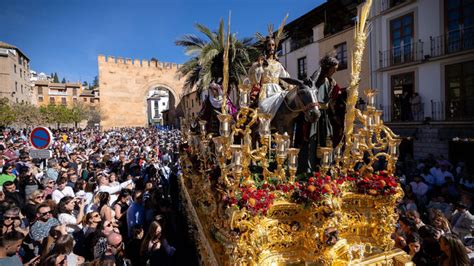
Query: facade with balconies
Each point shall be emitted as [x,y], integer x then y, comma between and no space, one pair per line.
[423,64]
[67,94]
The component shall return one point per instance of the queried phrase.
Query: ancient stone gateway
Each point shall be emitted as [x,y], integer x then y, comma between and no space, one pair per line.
[125,86]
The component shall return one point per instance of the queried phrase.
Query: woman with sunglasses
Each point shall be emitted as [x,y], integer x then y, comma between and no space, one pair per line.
[12,222]
[34,199]
[97,241]
[90,223]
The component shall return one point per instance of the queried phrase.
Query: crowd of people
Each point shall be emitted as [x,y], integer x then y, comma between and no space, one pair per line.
[104,198]
[436,225]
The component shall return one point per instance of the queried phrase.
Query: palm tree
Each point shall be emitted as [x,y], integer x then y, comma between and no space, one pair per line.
[206,62]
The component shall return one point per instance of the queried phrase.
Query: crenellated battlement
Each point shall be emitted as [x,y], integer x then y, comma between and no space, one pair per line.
[136,62]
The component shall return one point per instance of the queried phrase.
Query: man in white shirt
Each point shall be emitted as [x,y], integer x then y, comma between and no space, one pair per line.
[62,190]
[419,188]
[104,186]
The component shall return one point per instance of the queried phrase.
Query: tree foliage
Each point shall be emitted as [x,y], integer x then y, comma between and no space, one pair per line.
[55,78]
[7,116]
[206,62]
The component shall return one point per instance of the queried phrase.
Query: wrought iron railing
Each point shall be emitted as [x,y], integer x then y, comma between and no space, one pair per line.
[460,110]
[402,54]
[452,42]
[398,113]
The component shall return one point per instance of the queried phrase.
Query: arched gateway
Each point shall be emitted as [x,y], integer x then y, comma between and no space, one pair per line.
[125,87]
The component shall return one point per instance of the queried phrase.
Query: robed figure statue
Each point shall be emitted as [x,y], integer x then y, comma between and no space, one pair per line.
[320,133]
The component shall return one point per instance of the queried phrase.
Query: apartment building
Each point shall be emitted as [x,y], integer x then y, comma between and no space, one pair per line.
[422,60]
[46,92]
[14,74]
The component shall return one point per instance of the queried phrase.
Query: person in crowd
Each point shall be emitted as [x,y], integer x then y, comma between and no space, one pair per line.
[67,214]
[7,173]
[420,189]
[121,206]
[53,169]
[134,245]
[12,221]
[440,222]
[454,251]
[99,240]
[104,209]
[62,190]
[54,233]
[104,186]
[13,195]
[49,185]
[462,221]
[155,248]
[136,212]
[44,222]
[9,246]
[64,246]
[34,199]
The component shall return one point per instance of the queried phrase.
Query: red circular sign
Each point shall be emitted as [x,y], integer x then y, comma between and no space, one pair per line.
[41,138]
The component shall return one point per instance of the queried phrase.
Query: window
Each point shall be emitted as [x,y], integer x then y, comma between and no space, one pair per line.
[85,99]
[16,85]
[22,89]
[51,100]
[63,101]
[74,92]
[156,109]
[164,104]
[459,25]
[19,60]
[302,68]
[341,55]
[460,91]
[40,90]
[14,68]
[40,99]
[91,100]
[403,86]
[401,39]
[21,73]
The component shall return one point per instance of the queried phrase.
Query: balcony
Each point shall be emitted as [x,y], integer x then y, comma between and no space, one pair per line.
[452,42]
[396,113]
[58,93]
[438,111]
[407,53]
[455,110]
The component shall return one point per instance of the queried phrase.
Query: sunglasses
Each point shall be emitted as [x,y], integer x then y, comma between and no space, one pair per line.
[51,182]
[96,215]
[11,218]
[39,197]
[45,213]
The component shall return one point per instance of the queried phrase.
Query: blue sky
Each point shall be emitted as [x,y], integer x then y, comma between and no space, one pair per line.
[65,36]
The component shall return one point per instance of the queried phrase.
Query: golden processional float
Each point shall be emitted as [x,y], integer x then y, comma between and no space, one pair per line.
[339,216]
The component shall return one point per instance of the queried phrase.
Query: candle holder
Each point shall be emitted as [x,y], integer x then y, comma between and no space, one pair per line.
[202,127]
[264,124]
[326,160]
[244,94]
[292,163]
[224,126]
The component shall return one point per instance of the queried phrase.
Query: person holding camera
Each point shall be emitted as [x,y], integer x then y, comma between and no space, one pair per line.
[71,213]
